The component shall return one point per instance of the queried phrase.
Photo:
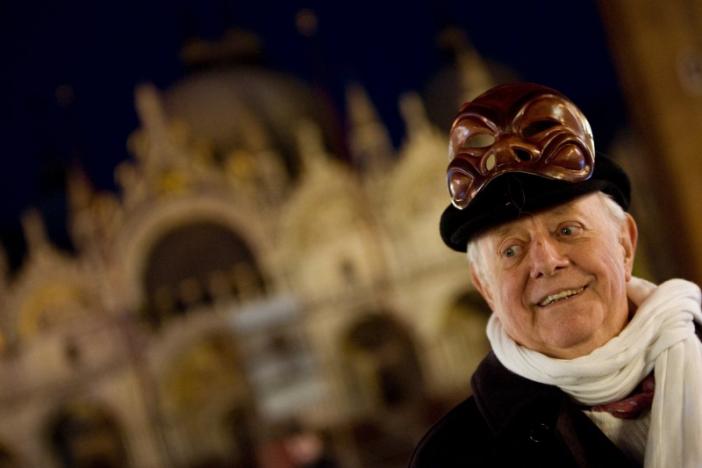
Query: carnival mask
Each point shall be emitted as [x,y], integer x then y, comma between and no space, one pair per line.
[521,127]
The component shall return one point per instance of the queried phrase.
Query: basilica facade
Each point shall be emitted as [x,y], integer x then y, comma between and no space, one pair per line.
[244,279]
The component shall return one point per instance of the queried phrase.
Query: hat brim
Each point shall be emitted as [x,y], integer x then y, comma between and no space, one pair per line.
[513,195]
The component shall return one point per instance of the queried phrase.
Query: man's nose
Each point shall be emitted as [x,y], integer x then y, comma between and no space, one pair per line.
[547,257]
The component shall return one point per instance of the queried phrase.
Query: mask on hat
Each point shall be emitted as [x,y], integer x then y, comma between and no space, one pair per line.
[521,127]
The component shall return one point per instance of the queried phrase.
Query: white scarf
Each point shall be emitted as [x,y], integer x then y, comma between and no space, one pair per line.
[661,335]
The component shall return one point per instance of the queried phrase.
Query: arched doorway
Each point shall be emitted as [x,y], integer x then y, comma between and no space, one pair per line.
[207,403]
[85,435]
[462,341]
[8,459]
[385,370]
[194,265]
[387,387]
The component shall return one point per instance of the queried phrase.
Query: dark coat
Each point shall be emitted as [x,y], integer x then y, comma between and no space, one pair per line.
[511,421]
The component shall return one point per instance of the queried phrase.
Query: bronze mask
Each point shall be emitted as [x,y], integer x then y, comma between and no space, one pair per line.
[520,127]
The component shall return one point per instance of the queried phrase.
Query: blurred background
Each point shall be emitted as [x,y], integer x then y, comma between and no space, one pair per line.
[219,218]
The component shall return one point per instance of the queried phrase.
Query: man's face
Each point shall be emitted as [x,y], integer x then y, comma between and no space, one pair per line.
[557,279]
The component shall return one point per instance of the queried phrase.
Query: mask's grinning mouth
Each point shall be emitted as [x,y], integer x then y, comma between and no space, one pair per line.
[560,296]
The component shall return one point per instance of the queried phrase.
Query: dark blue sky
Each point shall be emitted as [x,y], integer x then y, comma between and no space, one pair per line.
[66,87]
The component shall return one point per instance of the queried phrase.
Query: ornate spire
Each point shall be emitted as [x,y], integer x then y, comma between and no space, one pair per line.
[80,197]
[236,45]
[158,149]
[370,145]
[4,273]
[310,146]
[80,190]
[414,115]
[473,74]
[35,234]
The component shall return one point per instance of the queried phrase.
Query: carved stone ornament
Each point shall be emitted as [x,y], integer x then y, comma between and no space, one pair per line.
[520,127]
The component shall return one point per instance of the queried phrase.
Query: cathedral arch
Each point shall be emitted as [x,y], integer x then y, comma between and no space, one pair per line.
[206,401]
[8,458]
[461,341]
[196,264]
[329,243]
[204,218]
[86,435]
[383,367]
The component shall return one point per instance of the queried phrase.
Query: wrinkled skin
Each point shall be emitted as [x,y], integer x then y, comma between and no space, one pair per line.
[521,127]
[578,248]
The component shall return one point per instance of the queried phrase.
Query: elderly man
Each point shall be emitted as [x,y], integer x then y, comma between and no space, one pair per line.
[590,366]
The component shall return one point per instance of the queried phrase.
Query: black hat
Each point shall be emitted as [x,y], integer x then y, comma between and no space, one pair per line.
[515,194]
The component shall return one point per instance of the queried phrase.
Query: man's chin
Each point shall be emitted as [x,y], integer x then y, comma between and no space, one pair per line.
[571,346]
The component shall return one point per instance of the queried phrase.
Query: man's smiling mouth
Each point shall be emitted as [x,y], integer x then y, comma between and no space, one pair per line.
[560,296]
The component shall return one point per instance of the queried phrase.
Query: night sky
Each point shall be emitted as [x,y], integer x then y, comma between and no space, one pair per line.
[70,68]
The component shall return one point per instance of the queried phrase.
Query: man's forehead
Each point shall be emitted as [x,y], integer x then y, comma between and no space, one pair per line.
[572,207]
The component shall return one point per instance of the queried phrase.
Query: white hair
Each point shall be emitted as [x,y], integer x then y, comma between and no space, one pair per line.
[476,257]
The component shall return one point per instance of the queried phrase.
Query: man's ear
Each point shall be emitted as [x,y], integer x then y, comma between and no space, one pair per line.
[481,287]
[628,237]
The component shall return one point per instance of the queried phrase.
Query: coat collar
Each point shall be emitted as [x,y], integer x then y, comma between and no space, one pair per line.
[506,399]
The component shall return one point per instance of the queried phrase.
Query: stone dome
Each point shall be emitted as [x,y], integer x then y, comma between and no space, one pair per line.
[244,107]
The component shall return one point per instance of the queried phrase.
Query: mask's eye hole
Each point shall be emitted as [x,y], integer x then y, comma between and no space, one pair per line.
[479,140]
[539,126]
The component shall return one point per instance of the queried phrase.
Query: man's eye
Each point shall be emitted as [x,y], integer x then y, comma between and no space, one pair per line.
[569,230]
[510,251]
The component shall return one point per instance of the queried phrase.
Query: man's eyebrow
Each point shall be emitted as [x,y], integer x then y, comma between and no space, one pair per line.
[501,231]
[560,209]
[563,210]
[557,211]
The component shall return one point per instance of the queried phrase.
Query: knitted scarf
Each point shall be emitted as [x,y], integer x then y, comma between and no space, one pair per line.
[660,337]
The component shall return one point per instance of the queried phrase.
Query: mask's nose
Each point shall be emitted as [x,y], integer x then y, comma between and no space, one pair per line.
[508,150]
